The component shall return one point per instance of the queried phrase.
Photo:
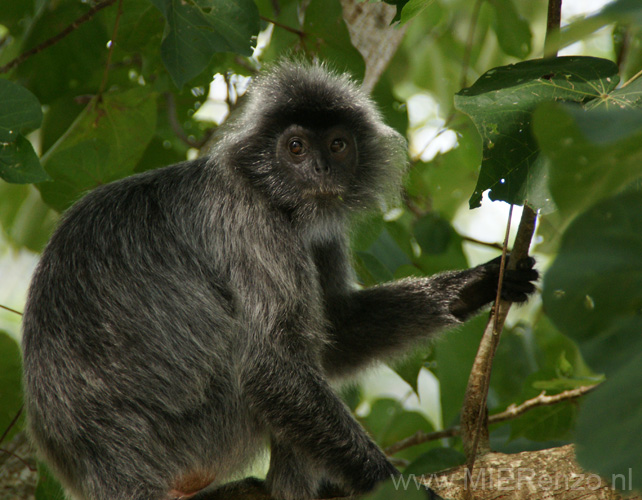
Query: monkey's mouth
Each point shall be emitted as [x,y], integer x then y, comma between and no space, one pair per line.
[327,193]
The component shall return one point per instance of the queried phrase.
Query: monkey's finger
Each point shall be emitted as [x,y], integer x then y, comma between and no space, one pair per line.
[526,263]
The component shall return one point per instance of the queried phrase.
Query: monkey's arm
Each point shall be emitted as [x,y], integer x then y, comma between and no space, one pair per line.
[382,320]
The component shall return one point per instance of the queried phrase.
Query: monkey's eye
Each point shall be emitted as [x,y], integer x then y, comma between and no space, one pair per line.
[337,145]
[296,147]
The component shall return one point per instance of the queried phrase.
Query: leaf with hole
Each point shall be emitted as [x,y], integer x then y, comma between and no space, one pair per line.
[501,104]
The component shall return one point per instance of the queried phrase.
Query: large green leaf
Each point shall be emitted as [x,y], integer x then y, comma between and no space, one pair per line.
[593,153]
[546,423]
[629,97]
[454,354]
[593,292]
[597,275]
[329,38]
[501,103]
[388,422]
[196,30]
[48,488]
[25,219]
[20,113]
[411,9]
[75,64]
[140,26]
[608,420]
[105,143]
[513,31]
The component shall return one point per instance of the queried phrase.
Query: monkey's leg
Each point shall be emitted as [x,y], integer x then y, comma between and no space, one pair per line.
[291,396]
[290,470]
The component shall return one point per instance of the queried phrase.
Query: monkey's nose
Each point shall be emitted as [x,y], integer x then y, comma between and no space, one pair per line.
[321,168]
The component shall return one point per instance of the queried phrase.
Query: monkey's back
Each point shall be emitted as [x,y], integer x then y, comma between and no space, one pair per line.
[129,338]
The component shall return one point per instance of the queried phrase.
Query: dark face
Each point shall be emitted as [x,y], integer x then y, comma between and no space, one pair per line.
[320,162]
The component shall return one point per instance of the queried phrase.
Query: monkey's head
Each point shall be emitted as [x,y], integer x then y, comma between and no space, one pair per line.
[314,143]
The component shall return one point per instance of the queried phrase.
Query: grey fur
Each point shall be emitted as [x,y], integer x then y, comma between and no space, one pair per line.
[179,317]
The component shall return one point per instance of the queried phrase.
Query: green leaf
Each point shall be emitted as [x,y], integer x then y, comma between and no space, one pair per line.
[140,26]
[546,423]
[454,354]
[412,9]
[12,15]
[596,279]
[10,388]
[19,163]
[593,292]
[104,144]
[20,113]
[410,366]
[446,181]
[605,444]
[195,32]
[513,363]
[282,40]
[25,219]
[435,460]
[371,271]
[513,31]
[433,233]
[389,422]
[365,231]
[593,153]
[400,5]
[48,488]
[501,104]
[387,251]
[629,97]
[329,37]
[74,65]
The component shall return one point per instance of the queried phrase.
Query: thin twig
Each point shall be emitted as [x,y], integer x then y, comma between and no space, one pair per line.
[19,458]
[553,21]
[87,16]
[469,239]
[540,400]
[299,33]
[10,426]
[502,268]
[475,410]
[172,116]
[10,310]
[632,79]
[511,413]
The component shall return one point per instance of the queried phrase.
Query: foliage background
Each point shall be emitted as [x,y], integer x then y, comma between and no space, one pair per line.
[124,92]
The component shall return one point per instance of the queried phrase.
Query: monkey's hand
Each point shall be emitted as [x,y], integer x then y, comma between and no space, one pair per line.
[481,284]
[518,283]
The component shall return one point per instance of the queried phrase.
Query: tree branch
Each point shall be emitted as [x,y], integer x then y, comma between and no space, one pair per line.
[474,412]
[509,413]
[56,38]
[553,21]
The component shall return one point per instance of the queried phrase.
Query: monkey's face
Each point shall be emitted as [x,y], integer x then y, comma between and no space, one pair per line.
[320,162]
